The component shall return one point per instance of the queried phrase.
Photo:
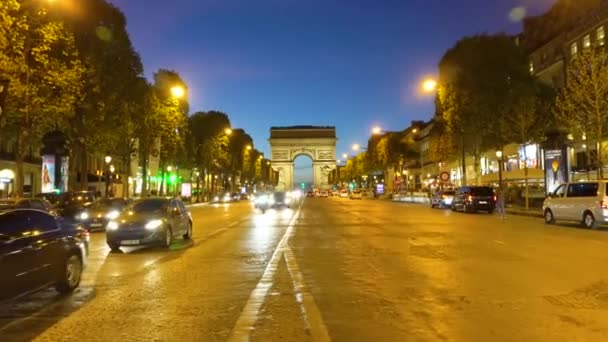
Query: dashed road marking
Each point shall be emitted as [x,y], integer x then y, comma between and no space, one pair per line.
[499,242]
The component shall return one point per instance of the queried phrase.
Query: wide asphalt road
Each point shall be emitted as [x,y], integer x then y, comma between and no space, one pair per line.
[336,269]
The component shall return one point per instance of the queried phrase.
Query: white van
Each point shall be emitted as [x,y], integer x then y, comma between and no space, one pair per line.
[585,202]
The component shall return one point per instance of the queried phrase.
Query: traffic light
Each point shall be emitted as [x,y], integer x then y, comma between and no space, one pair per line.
[172,179]
[303,185]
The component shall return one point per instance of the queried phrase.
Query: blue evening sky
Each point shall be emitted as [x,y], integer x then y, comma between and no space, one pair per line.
[352,64]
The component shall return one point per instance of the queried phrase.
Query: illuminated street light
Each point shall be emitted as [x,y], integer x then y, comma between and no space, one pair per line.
[415,130]
[112,168]
[169,168]
[108,159]
[376,130]
[429,85]
[228,131]
[356,147]
[177,92]
[248,147]
[345,156]
[338,161]
[499,156]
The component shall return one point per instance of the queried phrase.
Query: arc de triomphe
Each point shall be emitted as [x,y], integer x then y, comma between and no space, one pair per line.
[317,142]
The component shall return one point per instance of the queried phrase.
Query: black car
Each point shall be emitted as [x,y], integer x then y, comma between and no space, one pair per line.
[471,199]
[96,215]
[150,221]
[274,200]
[244,196]
[38,250]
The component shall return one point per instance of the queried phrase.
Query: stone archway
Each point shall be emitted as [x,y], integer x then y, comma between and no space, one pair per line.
[317,142]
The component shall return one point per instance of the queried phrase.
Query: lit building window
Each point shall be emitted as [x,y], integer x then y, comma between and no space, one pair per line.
[587,41]
[573,49]
[531,67]
[600,35]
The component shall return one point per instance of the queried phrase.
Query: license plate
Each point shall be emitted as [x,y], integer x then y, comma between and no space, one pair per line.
[130,242]
[483,202]
[96,224]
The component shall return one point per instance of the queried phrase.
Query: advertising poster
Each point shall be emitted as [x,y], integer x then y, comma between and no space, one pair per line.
[556,169]
[186,190]
[379,189]
[48,173]
[64,174]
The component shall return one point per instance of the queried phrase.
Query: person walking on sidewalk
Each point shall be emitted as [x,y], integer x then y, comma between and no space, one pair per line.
[500,202]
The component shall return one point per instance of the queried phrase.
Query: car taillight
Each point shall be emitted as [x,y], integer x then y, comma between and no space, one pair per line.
[603,204]
[470,198]
[494,198]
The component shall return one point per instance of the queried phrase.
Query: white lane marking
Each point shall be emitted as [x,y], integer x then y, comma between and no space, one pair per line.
[310,310]
[499,242]
[249,315]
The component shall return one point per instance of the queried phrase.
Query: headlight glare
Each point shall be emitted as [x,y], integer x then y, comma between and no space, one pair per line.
[112,225]
[112,214]
[154,224]
[83,216]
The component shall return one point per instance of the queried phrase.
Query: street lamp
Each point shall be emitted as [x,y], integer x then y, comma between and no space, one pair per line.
[248,147]
[228,131]
[112,168]
[429,85]
[177,92]
[499,156]
[108,159]
[356,147]
[376,130]
[344,156]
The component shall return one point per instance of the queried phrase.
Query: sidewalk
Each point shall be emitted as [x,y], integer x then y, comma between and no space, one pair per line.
[517,210]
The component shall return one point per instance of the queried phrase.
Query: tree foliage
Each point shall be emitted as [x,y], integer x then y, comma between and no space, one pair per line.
[582,106]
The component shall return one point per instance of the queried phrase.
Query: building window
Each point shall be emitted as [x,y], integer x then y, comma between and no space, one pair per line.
[573,49]
[531,67]
[587,41]
[600,35]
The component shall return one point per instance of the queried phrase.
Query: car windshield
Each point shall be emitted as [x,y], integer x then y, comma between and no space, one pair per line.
[448,193]
[155,205]
[116,203]
[279,196]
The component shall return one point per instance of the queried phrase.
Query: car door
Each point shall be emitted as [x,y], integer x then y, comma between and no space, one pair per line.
[17,257]
[48,247]
[185,216]
[176,218]
[558,202]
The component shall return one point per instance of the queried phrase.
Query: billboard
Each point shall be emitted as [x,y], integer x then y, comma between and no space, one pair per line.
[556,169]
[186,190]
[48,173]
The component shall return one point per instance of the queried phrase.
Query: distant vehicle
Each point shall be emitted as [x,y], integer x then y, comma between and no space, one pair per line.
[275,200]
[442,199]
[52,197]
[343,193]
[225,198]
[310,194]
[323,193]
[356,194]
[244,196]
[235,197]
[150,221]
[335,192]
[584,202]
[96,215]
[471,199]
[54,256]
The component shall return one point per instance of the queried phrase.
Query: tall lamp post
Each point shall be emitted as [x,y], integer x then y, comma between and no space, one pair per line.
[499,156]
[108,160]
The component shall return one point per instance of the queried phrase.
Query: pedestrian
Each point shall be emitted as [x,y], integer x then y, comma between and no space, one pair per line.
[500,203]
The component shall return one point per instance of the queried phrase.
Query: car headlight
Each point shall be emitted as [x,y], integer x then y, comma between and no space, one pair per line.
[154,224]
[287,200]
[112,214]
[270,200]
[112,225]
[216,198]
[83,216]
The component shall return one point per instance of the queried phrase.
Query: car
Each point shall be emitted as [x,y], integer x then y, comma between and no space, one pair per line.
[471,199]
[310,194]
[244,196]
[335,193]
[38,250]
[274,200]
[356,194]
[442,199]
[584,202]
[32,203]
[96,215]
[150,221]
[344,193]
[323,193]
[235,197]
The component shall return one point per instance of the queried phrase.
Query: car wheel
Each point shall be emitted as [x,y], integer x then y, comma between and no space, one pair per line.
[589,220]
[70,276]
[432,205]
[114,247]
[188,234]
[549,218]
[453,207]
[168,238]
[491,210]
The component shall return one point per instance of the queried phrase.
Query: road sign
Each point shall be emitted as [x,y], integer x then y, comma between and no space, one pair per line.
[444,176]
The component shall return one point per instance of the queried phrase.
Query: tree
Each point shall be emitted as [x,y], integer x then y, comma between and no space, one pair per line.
[479,79]
[112,68]
[39,57]
[582,106]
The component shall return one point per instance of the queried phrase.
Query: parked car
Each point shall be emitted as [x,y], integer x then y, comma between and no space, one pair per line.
[244,196]
[471,199]
[356,194]
[38,250]
[442,199]
[150,221]
[310,194]
[343,193]
[323,193]
[585,202]
[96,215]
